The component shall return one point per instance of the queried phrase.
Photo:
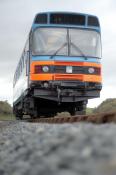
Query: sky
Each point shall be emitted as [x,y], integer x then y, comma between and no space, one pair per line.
[15,22]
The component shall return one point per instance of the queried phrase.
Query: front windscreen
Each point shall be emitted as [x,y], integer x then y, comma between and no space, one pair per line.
[66,42]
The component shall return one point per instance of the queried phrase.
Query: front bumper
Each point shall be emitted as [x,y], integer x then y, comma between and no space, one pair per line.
[76,85]
[66,91]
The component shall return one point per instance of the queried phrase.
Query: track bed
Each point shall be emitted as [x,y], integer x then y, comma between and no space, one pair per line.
[55,149]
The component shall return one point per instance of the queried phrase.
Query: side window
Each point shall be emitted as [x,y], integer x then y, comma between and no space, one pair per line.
[14,80]
[20,66]
[23,60]
[27,63]
[23,63]
[27,57]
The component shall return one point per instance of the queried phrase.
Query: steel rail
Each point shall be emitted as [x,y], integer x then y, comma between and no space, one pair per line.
[96,118]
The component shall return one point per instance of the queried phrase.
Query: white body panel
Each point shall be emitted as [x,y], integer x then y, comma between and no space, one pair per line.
[20,86]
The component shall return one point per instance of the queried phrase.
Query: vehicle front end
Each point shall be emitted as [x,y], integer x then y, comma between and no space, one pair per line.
[65,55]
[65,64]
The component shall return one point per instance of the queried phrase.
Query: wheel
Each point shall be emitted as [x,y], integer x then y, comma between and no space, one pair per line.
[83,112]
[18,113]
[18,116]
[34,114]
[75,111]
[78,108]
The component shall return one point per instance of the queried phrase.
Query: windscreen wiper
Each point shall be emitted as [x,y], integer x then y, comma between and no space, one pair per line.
[78,49]
[58,50]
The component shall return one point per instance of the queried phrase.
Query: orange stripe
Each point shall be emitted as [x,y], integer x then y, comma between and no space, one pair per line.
[68,77]
[92,78]
[41,77]
[48,77]
[81,77]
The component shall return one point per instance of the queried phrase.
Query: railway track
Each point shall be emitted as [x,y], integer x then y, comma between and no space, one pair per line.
[97,119]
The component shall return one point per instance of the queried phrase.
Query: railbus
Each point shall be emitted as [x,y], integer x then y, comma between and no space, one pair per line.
[60,67]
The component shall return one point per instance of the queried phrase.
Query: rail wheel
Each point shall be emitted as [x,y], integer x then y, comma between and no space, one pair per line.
[18,116]
[78,108]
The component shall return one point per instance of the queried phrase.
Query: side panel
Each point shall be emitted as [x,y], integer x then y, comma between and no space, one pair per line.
[21,75]
[21,86]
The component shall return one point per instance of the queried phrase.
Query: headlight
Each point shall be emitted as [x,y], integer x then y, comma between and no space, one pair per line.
[91,70]
[45,69]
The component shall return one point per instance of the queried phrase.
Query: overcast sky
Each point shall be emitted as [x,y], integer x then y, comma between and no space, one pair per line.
[16,17]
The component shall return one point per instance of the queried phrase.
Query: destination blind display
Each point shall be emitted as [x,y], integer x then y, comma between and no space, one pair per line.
[70,19]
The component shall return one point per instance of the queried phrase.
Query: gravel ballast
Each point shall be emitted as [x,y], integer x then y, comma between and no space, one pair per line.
[64,149]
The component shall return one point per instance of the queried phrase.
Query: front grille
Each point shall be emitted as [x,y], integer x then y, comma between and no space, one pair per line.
[78,70]
[75,69]
[60,69]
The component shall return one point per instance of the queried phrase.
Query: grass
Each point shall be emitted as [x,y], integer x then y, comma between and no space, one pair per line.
[7,117]
[89,111]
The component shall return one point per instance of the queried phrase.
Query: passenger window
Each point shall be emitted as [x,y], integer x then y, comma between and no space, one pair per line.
[27,63]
